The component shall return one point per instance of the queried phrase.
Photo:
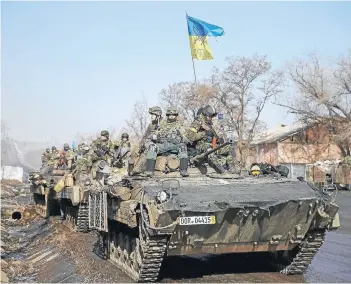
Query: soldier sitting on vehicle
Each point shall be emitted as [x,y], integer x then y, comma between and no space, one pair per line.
[171,138]
[55,157]
[102,149]
[156,121]
[123,152]
[83,166]
[45,157]
[69,156]
[203,136]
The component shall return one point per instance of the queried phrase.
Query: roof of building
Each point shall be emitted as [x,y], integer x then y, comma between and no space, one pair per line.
[280,132]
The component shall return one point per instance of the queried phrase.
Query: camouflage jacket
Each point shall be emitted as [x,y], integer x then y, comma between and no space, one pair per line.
[83,164]
[102,150]
[124,148]
[172,132]
[199,130]
[55,156]
[151,129]
[45,157]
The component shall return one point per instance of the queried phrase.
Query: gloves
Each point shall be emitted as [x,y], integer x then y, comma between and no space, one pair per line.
[104,148]
[142,149]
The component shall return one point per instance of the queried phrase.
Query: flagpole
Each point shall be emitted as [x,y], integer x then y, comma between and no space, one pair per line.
[192,59]
[194,70]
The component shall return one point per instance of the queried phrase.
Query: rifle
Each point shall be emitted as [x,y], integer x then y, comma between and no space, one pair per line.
[204,155]
[117,157]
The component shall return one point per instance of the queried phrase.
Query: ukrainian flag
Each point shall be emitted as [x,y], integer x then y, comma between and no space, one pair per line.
[199,31]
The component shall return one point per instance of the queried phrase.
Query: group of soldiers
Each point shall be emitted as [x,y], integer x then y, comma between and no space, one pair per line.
[85,158]
[163,136]
[170,136]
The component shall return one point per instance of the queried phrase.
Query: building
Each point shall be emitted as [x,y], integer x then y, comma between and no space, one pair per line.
[294,146]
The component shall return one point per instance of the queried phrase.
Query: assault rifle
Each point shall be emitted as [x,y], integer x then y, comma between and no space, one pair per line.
[201,157]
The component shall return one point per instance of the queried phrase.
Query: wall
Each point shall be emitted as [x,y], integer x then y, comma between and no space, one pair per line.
[302,148]
[264,153]
[309,153]
[12,173]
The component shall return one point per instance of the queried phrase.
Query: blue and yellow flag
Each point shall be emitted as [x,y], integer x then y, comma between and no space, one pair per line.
[199,31]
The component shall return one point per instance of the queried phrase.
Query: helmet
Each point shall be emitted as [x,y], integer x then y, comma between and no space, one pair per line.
[125,135]
[85,148]
[65,145]
[53,148]
[209,111]
[171,111]
[155,110]
[105,133]
[47,150]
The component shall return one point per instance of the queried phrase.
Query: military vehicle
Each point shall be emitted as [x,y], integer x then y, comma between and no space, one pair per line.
[142,220]
[42,187]
[73,198]
[322,176]
[343,174]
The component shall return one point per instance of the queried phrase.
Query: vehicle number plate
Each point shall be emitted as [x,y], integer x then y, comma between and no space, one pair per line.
[197,220]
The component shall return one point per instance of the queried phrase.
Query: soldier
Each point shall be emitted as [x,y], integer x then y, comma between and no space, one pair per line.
[83,165]
[171,137]
[67,157]
[55,157]
[148,138]
[123,152]
[45,157]
[102,149]
[203,135]
[156,121]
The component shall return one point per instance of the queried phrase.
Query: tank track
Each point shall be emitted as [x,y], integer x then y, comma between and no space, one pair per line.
[140,259]
[140,266]
[76,217]
[41,207]
[304,253]
[83,218]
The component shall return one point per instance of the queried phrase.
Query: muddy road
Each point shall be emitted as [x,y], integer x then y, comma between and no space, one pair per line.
[48,251]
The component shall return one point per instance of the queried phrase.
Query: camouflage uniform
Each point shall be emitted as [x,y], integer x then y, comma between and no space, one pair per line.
[201,133]
[55,157]
[123,152]
[83,165]
[155,124]
[171,138]
[102,149]
[45,157]
[146,141]
[68,156]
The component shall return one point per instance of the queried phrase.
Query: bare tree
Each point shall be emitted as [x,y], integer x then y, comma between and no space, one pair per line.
[139,120]
[186,97]
[242,90]
[323,96]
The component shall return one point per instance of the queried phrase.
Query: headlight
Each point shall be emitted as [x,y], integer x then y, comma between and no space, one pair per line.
[161,196]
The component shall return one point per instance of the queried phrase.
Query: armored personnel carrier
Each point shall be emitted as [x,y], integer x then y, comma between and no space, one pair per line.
[42,187]
[73,198]
[142,220]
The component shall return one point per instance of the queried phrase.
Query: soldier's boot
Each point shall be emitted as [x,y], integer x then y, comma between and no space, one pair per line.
[219,168]
[150,167]
[183,167]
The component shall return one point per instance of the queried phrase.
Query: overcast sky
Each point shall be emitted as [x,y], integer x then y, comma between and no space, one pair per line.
[71,67]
